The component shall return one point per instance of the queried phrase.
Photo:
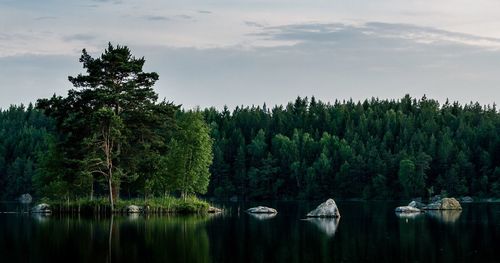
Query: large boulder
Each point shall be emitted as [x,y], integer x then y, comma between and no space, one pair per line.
[407,209]
[25,198]
[41,208]
[133,209]
[262,210]
[445,204]
[326,209]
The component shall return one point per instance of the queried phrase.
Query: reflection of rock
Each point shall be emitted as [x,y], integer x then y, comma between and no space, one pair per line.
[326,209]
[407,209]
[409,215]
[133,216]
[233,198]
[262,210]
[41,217]
[327,225]
[41,208]
[445,204]
[262,216]
[25,198]
[445,216]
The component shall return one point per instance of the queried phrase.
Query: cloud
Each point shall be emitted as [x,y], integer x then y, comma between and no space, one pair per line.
[338,33]
[204,12]
[253,24]
[46,18]
[80,37]
[156,18]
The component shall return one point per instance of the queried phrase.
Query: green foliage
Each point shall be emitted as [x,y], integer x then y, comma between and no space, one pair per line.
[189,156]
[374,148]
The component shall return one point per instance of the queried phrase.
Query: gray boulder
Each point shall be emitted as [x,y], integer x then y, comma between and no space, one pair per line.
[25,198]
[262,210]
[445,204]
[132,209]
[416,204]
[407,209]
[466,199]
[41,208]
[326,209]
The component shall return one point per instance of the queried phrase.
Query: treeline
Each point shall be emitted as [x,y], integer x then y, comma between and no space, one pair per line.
[383,149]
[24,138]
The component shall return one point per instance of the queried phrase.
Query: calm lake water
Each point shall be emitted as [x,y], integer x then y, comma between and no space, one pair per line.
[366,232]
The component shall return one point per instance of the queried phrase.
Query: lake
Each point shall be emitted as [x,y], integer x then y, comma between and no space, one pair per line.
[366,232]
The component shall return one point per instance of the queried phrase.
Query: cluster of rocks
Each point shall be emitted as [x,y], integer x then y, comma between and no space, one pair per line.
[326,210]
[436,204]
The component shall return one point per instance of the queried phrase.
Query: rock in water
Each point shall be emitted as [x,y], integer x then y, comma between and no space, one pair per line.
[417,204]
[132,209]
[326,209]
[466,199]
[407,209]
[445,204]
[25,198]
[41,208]
[214,210]
[262,210]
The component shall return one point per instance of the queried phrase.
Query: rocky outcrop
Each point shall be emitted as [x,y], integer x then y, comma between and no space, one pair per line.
[25,198]
[444,204]
[407,209]
[326,209]
[132,209]
[262,210]
[41,208]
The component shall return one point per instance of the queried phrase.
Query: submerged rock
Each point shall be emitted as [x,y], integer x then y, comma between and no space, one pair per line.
[445,204]
[326,209]
[131,209]
[407,209]
[25,198]
[41,208]
[262,210]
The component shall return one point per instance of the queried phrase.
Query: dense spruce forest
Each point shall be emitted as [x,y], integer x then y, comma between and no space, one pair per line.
[305,150]
[380,149]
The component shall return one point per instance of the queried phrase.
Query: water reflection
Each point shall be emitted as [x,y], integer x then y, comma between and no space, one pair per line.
[445,216]
[262,216]
[409,215]
[370,231]
[326,225]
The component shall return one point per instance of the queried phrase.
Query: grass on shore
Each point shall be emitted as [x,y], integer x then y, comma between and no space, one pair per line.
[190,205]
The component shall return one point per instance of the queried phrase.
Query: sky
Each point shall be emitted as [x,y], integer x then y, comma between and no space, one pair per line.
[242,52]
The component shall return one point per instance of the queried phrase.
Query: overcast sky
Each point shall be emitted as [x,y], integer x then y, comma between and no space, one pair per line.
[242,52]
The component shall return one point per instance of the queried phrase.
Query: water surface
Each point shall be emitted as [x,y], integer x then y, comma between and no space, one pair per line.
[366,232]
